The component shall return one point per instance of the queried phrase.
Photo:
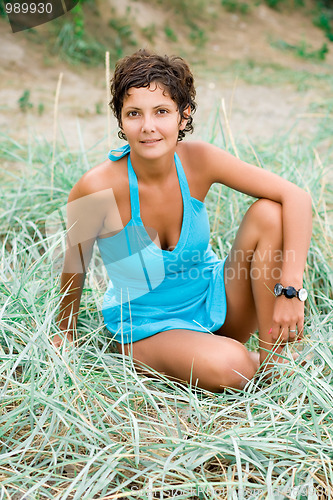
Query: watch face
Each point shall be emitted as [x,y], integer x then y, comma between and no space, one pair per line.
[302,294]
[290,292]
[278,289]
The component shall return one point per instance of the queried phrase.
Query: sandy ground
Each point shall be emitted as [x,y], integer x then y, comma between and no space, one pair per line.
[256,112]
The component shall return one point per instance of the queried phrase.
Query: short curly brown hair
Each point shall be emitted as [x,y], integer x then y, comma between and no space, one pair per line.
[141,69]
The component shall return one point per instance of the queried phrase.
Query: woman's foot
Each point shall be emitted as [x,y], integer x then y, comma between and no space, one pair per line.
[58,340]
[270,363]
[255,356]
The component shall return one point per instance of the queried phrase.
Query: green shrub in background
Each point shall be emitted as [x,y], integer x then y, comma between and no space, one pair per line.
[274,3]
[302,49]
[24,101]
[324,18]
[2,10]
[123,36]
[150,32]
[74,42]
[170,33]
[198,36]
[78,21]
[235,6]
[75,46]
[322,12]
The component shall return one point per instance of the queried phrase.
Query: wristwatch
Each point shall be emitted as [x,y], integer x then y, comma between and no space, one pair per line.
[290,292]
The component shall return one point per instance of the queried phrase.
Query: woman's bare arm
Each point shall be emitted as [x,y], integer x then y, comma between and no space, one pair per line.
[86,211]
[222,167]
[77,260]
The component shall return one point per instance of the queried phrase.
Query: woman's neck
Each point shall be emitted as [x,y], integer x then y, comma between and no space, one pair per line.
[155,171]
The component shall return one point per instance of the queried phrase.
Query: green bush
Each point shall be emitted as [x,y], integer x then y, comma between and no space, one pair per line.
[198,36]
[76,48]
[274,3]
[303,49]
[324,19]
[24,101]
[2,10]
[235,6]
[171,35]
[149,32]
[123,35]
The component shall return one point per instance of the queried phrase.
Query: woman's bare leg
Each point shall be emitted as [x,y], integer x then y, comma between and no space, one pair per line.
[216,362]
[251,271]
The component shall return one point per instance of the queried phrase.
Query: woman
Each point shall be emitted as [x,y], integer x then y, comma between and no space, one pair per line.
[171,302]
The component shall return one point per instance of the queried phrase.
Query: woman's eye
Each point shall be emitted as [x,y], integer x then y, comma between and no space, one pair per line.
[162,111]
[132,113]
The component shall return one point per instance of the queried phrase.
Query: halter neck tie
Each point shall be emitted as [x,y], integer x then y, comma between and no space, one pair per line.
[116,154]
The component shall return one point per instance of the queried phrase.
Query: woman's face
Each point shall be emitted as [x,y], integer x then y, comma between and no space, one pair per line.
[151,121]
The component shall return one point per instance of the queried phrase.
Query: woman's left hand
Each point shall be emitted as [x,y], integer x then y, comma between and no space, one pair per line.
[288,320]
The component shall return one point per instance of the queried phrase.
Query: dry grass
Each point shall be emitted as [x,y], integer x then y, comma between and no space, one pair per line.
[83,424]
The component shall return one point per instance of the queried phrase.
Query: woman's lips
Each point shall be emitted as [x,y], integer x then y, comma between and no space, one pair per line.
[150,141]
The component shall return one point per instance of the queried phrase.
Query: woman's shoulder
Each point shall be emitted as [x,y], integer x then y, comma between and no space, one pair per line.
[100,178]
[199,157]
[193,147]
[197,152]
[210,162]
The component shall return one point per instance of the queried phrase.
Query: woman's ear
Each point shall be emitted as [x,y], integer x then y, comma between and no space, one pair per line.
[186,114]
[121,134]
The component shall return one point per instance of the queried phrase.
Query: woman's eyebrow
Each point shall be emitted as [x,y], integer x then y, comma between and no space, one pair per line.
[131,107]
[162,105]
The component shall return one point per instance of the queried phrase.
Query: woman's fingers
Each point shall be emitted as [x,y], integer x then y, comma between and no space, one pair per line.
[279,333]
[300,328]
[286,333]
[292,333]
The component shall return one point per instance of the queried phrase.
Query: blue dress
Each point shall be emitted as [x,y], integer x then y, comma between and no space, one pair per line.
[153,290]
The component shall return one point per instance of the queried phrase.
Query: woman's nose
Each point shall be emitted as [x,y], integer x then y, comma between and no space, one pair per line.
[148,124]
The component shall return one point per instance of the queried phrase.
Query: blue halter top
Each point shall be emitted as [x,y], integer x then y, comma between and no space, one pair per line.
[153,290]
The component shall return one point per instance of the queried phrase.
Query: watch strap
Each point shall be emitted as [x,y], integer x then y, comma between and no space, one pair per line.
[290,292]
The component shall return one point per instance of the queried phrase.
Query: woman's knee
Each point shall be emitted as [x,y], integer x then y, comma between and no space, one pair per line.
[235,368]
